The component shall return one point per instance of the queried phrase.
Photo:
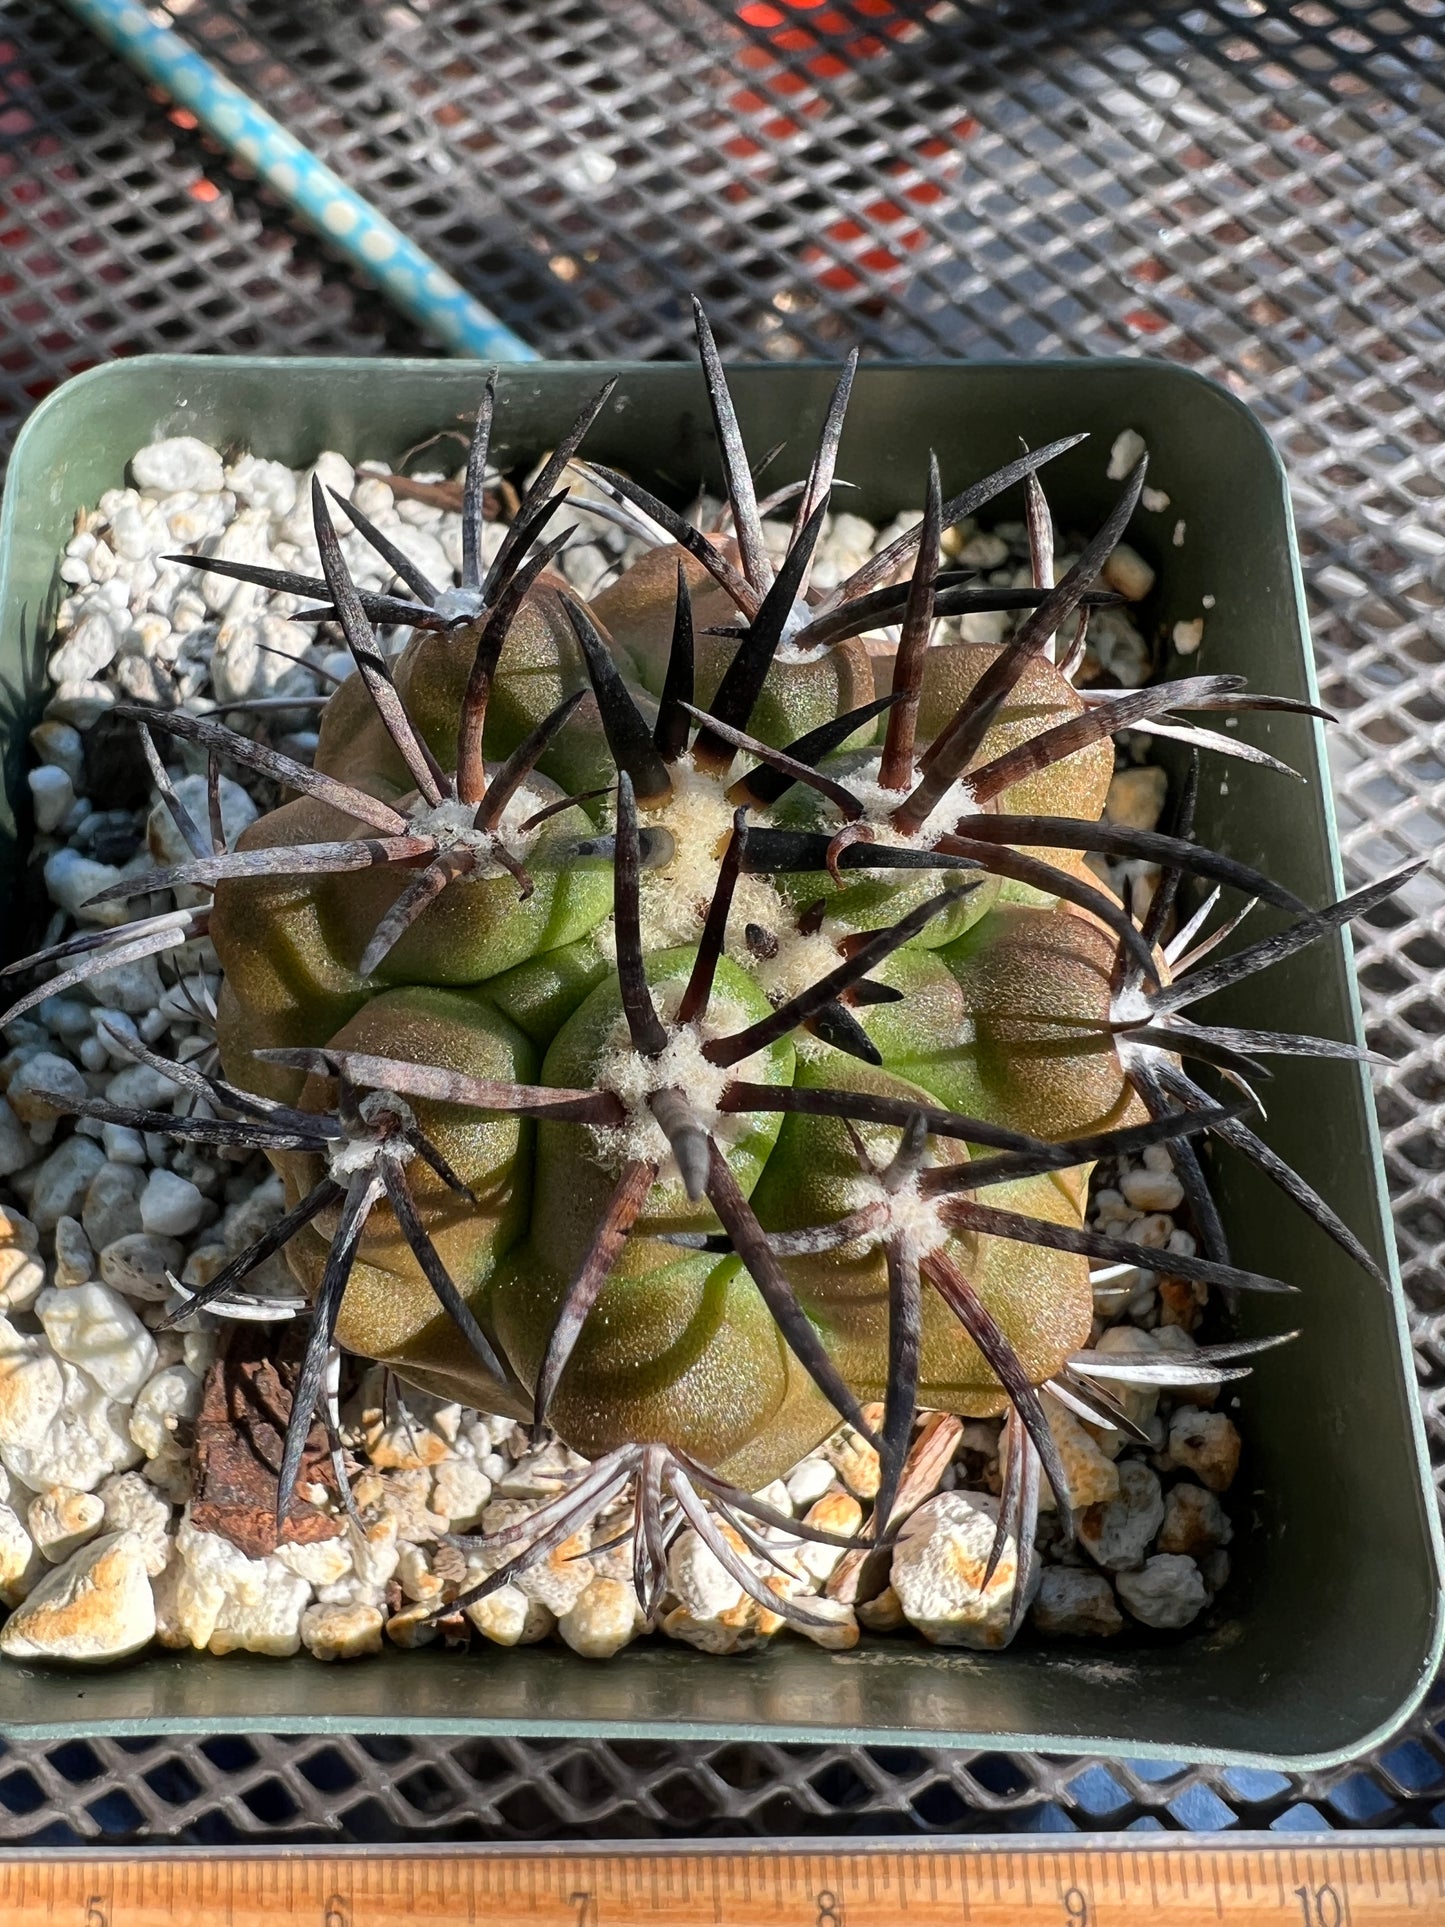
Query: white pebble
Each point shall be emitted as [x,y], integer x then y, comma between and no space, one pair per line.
[1128,572]
[30,1089]
[131,987]
[1074,1603]
[31,1387]
[21,1563]
[808,1481]
[80,701]
[170,1206]
[61,1520]
[1168,1592]
[138,530]
[1152,1191]
[1194,1521]
[132,1505]
[52,794]
[72,879]
[984,552]
[262,485]
[22,1277]
[1206,1444]
[1128,446]
[460,1492]
[246,540]
[164,840]
[268,1623]
[1092,1476]
[1187,636]
[88,649]
[172,1397]
[179,462]
[93,1327]
[509,1618]
[112,1203]
[85,1440]
[1119,1532]
[698,1580]
[60,747]
[341,1632]
[939,1564]
[985,627]
[16,1150]
[74,1259]
[142,1088]
[63,1180]
[322,1562]
[137,1265]
[838,1630]
[96,1607]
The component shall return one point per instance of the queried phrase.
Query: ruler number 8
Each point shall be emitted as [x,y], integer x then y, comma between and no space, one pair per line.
[1321,1906]
[830,1909]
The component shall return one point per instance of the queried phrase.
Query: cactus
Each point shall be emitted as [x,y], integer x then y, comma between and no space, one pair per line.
[671,1028]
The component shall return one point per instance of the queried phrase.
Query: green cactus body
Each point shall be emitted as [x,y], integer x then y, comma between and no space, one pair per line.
[679,1345]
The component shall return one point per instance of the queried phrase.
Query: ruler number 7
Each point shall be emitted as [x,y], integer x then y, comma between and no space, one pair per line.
[586,1905]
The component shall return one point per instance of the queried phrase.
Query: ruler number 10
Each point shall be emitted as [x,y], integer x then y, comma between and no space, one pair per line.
[1320,1906]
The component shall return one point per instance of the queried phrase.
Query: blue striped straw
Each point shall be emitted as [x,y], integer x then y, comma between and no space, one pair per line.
[411,278]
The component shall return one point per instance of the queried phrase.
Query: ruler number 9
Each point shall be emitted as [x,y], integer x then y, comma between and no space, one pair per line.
[1076,1907]
[1320,1906]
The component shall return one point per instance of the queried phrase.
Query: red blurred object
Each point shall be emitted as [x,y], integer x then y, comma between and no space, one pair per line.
[794,44]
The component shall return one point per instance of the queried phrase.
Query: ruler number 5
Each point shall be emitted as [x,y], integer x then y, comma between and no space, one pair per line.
[97,1912]
[1320,1906]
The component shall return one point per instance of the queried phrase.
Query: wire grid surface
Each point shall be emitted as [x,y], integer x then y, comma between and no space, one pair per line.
[1253,189]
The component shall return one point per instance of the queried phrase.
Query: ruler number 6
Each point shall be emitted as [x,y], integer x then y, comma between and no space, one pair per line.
[1321,1906]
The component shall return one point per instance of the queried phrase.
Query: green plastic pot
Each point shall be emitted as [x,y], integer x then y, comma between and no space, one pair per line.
[1330,1629]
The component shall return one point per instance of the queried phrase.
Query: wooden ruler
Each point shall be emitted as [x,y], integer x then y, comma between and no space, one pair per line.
[1178,1881]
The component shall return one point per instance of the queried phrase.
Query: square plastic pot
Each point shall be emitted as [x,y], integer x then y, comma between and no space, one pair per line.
[1330,1628]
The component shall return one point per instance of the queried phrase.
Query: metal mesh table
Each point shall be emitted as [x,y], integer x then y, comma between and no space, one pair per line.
[1252,187]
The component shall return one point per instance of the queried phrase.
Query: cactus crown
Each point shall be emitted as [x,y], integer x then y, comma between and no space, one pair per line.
[643,1003]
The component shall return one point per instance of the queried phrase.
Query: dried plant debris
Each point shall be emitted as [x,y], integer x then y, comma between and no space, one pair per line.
[608,1015]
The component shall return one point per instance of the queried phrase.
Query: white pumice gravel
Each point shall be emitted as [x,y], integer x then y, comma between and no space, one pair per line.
[97,1550]
[97,1607]
[940,1572]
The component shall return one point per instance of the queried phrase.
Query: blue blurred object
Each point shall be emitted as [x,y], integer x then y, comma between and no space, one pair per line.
[408,276]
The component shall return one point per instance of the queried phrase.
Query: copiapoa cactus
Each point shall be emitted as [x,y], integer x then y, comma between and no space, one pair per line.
[683,1024]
